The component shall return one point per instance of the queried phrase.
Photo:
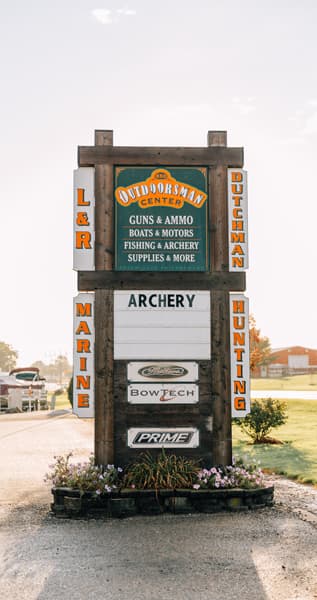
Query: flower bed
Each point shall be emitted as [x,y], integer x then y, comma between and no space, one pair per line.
[72,503]
[154,486]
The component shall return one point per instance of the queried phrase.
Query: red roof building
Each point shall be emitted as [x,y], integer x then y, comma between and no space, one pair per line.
[294,360]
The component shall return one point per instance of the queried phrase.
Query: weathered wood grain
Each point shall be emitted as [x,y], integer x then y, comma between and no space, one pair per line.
[218,214]
[220,370]
[120,155]
[104,428]
[104,206]
[217,138]
[129,280]
[218,210]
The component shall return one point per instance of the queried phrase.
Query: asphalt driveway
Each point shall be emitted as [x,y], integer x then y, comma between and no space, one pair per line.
[264,555]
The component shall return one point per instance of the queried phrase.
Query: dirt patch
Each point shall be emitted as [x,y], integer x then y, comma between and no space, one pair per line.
[295,497]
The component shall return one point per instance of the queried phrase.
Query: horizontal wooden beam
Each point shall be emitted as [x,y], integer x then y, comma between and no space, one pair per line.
[119,155]
[131,280]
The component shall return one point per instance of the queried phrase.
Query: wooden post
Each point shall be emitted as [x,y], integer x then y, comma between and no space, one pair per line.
[104,430]
[217,138]
[220,378]
[220,310]
[218,208]
[104,207]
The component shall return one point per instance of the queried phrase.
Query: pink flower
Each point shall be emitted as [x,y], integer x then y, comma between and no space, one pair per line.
[196,486]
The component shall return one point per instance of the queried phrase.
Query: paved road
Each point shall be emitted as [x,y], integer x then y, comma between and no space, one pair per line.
[270,554]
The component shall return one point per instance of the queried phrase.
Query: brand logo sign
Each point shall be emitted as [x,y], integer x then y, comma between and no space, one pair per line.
[160,189]
[157,393]
[168,438]
[238,220]
[240,366]
[162,371]
[84,338]
[165,371]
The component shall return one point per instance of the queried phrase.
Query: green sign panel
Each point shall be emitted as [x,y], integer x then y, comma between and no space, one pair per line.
[161,219]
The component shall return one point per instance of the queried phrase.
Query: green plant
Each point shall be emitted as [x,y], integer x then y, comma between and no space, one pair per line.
[164,471]
[70,391]
[265,415]
[236,475]
[296,458]
[86,477]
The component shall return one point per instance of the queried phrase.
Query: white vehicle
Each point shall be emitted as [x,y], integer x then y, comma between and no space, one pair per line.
[23,390]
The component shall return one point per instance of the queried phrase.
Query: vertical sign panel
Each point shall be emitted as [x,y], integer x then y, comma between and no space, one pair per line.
[238,219]
[84,220]
[161,219]
[84,340]
[240,355]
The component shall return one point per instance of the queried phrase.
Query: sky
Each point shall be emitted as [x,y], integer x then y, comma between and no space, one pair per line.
[157,74]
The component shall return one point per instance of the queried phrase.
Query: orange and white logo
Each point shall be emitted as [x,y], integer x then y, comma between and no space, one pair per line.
[160,189]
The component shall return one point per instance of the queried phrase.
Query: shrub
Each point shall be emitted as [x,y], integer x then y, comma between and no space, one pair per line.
[161,472]
[86,477]
[264,416]
[236,475]
[70,391]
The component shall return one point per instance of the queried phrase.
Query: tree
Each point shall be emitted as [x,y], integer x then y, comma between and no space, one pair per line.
[59,371]
[40,366]
[262,418]
[62,367]
[260,347]
[8,357]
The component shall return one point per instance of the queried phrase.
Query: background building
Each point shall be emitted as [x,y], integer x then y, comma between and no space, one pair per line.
[294,360]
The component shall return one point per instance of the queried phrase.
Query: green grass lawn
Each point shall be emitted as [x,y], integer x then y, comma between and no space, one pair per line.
[62,401]
[294,382]
[297,457]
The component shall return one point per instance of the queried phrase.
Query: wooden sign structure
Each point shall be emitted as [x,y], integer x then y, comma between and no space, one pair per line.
[169,246]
